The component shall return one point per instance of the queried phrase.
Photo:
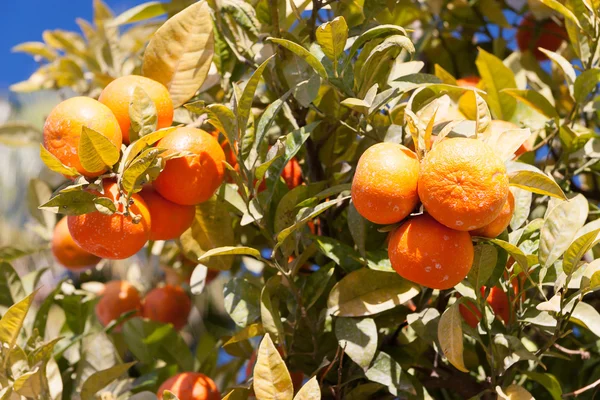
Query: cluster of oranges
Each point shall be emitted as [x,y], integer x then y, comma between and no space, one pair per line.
[464,189]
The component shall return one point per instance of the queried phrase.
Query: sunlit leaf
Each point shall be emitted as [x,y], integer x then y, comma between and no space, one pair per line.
[272,380]
[450,336]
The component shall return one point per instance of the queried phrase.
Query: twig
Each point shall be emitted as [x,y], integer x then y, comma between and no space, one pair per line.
[584,354]
[337,353]
[338,389]
[583,389]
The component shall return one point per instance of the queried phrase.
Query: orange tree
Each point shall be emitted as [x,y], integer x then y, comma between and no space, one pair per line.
[381,199]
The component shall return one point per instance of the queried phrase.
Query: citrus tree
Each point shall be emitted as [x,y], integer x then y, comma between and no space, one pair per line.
[312,199]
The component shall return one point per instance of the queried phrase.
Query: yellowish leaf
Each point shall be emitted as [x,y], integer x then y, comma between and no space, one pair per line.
[450,335]
[310,390]
[272,380]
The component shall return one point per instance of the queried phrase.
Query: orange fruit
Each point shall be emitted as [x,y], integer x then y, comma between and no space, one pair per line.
[384,188]
[468,81]
[470,313]
[501,222]
[190,386]
[168,304]
[169,220]
[117,298]
[428,253]
[524,148]
[118,94]
[63,126]
[463,183]
[194,178]
[112,236]
[497,299]
[66,251]
[546,34]
[292,173]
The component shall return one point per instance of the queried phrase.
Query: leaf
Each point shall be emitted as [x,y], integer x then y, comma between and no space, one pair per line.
[35,49]
[492,10]
[136,147]
[496,76]
[450,336]
[564,11]
[367,292]
[269,310]
[29,384]
[54,164]
[316,284]
[212,228]
[342,254]
[586,315]
[585,83]
[72,203]
[144,11]
[378,31]
[248,332]
[11,287]
[514,392]
[358,338]
[96,151]
[302,53]
[564,64]
[19,133]
[388,372]
[180,53]
[245,102]
[310,390]
[38,192]
[560,227]
[536,182]
[357,225]
[12,322]
[272,380]
[242,301]
[100,379]
[142,114]
[484,262]
[231,250]
[548,381]
[535,100]
[591,276]
[523,199]
[577,249]
[332,37]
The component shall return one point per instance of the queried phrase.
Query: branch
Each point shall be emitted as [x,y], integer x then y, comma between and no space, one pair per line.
[585,355]
[583,389]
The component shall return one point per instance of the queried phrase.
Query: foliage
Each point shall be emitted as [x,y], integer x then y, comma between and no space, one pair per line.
[305,271]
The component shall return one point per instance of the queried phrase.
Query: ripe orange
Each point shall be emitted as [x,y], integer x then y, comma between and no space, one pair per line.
[112,236]
[169,220]
[63,126]
[194,178]
[463,184]
[497,299]
[67,252]
[292,173]
[117,298]
[190,386]
[118,94]
[168,304]
[546,34]
[468,81]
[384,188]
[501,222]
[428,253]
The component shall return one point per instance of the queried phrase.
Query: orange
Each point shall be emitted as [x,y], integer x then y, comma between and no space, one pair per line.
[384,188]
[470,313]
[463,183]
[112,236]
[169,220]
[190,386]
[63,126]
[168,304]
[428,253]
[292,173]
[118,94]
[501,222]
[468,81]
[117,298]
[497,299]
[194,178]
[546,34]
[67,252]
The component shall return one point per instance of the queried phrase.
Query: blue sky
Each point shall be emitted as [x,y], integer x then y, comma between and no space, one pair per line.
[25,20]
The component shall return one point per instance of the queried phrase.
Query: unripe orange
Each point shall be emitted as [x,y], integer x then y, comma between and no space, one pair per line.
[118,94]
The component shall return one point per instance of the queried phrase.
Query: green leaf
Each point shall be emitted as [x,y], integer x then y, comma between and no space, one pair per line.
[590,279]
[560,227]
[548,382]
[564,64]
[269,311]
[180,52]
[245,102]
[72,203]
[366,292]
[139,172]
[332,37]
[302,53]
[230,251]
[19,133]
[535,100]
[514,252]
[96,151]
[342,254]
[378,31]
[243,14]
[142,12]
[358,338]
[310,390]
[496,76]
[142,114]
[536,182]
[100,379]
[316,284]
[41,317]
[272,380]
[242,301]
[212,228]
[54,164]
[12,322]
[450,336]
[577,249]
[357,225]
[492,10]
[585,83]
[564,11]
[11,287]
[484,262]
[388,372]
